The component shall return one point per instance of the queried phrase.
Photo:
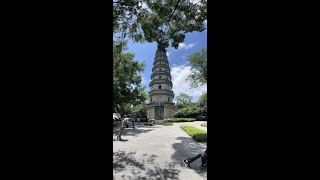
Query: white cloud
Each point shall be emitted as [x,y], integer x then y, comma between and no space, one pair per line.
[167,53]
[185,46]
[194,1]
[205,22]
[144,81]
[185,56]
[181,85]
[145,6]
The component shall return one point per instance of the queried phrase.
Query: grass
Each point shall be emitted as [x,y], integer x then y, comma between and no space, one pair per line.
[168,124]
[181,119]
[204,124]
[197,134]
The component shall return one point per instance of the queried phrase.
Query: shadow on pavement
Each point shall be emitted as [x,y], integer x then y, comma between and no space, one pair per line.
[132,168]
[188,148]
[132,132]
[121,159]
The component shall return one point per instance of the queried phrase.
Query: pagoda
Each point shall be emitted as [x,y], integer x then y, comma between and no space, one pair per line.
[161,104]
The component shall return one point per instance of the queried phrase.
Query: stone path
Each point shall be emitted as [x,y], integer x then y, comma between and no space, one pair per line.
[156,153]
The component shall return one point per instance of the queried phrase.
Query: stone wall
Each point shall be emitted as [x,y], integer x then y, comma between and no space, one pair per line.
[169,111]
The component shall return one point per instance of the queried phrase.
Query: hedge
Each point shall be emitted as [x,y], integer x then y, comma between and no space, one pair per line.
[180,119]
[168,124]
[197,134]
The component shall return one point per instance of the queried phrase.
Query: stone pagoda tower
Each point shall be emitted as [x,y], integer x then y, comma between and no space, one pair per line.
[161,104]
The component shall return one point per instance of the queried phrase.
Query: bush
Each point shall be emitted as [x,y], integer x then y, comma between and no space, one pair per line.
[168,124]
[204,124]
[187,112]
[180,119]
[197,134]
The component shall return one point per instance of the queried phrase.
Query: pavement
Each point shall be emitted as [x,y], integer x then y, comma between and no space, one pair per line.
[157,152]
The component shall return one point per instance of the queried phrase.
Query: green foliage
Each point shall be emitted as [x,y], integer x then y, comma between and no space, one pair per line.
[198,63]
[162,22]
[187,109]
[183,100]
[140,110]
[180,119]
[127,88]
[202,105]
[197,134]
[187,112]
[204,124]
[168,124]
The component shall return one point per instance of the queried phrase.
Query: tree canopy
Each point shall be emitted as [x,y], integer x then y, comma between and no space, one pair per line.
[127,88]
[198,63]
[183,100]
[158,21]
[188,109]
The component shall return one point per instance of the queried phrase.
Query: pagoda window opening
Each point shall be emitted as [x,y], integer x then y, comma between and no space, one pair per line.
[159,86]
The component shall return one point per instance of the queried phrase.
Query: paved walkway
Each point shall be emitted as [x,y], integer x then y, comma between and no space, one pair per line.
[156,153]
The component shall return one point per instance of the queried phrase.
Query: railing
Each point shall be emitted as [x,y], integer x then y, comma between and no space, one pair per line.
[161,73]
[160,90]
[160,81]
[160,66]
[159,104]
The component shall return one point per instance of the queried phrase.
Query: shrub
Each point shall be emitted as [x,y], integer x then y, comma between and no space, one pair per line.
[168,124]
[204,124]
[197,134]
[187,112]
[180,119]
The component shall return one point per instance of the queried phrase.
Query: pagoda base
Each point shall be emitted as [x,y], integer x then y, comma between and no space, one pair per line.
[160,112]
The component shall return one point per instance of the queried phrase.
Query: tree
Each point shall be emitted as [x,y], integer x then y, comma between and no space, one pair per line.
[183,100]
[202,105]
[198,63]
[140,110]
[127,88]
[161,22]
[187,109]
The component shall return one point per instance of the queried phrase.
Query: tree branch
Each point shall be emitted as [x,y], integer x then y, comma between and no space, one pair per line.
[175,8]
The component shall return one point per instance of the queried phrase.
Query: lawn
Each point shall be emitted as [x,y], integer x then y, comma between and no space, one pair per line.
[197,134]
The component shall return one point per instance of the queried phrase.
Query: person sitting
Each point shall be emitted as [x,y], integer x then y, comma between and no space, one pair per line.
[203,156]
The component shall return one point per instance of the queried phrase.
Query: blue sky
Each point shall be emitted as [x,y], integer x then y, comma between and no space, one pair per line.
[180,68]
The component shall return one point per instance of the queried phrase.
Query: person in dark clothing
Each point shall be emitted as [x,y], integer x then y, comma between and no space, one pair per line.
[203,156]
